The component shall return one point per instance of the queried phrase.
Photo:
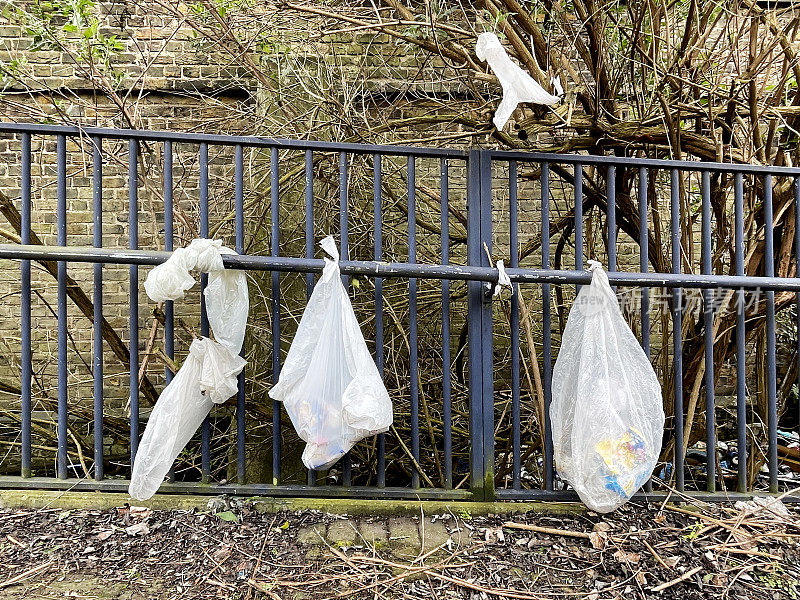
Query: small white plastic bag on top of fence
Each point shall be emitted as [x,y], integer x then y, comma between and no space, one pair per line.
[518,86]
[329,384]
[209,373]
[606,412]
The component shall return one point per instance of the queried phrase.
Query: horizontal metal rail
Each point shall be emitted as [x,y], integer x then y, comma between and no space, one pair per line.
[330,491]
[228,140]
[283,264]
[263,142]
[643,496]
[649,163]
[233,489]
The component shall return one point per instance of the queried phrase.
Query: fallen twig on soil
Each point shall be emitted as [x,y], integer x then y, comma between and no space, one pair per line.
[548,530]
[25,575]
[677,580]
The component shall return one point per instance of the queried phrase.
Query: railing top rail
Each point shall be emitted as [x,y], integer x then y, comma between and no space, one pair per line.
[681,165]
[390,150]
[228,140]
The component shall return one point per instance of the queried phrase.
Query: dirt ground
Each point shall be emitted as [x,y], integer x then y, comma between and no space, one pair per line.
[686,551]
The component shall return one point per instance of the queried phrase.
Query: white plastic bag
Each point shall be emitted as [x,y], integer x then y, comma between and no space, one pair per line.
[209,373]
[606,413]
[329,383]
[517,85]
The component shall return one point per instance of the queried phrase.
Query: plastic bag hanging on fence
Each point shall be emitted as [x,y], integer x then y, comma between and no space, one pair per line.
[517,85]
[209,373]
[606,413]
[329,383]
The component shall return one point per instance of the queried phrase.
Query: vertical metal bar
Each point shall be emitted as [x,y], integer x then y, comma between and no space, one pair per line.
[447,403]
[772,406]
[578,184]
[61,275]
[515,385]
[708,330]
[547,365]
[343,200]
[311,474]
[205,439]
[25,275]
[797,265]
[611,195]
[475,296]
[487,340]
[377,228]
[741,350]
[344,252]
[97,301]
[644,259]
[169,316]
[276,313]
[412,317]
[169,305]
[241,471]
[133,282]
[309,176]
[677,325]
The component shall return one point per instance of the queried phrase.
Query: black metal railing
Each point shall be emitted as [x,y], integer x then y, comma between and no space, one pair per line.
[528,201]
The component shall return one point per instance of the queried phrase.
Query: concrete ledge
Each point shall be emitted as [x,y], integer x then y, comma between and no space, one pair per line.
[39,499]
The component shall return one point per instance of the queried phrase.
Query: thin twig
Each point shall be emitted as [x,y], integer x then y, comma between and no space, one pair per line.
[677,580]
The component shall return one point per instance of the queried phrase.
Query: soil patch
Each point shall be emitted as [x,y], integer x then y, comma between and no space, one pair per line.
[690,551]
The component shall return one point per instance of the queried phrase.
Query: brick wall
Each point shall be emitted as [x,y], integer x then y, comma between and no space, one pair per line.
[171,78]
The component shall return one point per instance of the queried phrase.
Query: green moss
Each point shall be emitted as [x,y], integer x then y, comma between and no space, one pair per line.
[339,506]
[360,507]
[488,486]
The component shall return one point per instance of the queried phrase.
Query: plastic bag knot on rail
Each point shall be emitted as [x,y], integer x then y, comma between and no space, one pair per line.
[517,85]
[594,265]
[503,280]
[209,373]
[329,384]
[170,279]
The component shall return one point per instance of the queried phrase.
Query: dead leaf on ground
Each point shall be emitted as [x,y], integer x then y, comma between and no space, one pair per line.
[598,540]
[627,557]
[719,579]
[138,529]
[140,512]
[671,561]
[494,535]
[221,553]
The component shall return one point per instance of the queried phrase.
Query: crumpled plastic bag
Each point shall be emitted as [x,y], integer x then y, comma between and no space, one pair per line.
[517,85]
[209,373]
[763,506]
[227,300]
[606,412]
[329,384]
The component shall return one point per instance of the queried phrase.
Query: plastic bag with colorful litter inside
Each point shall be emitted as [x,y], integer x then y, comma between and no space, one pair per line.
[606,413]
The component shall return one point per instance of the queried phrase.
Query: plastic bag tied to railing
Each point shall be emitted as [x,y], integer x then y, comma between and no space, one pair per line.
[517,85]
[209,373]
[329,384]
[606,413]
